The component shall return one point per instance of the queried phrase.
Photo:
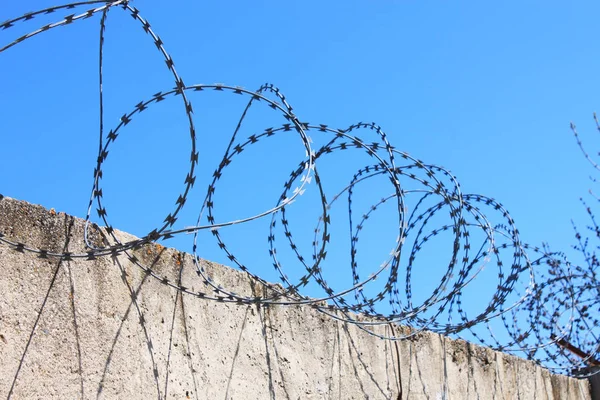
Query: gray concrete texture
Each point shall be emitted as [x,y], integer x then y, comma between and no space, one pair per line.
[104,329]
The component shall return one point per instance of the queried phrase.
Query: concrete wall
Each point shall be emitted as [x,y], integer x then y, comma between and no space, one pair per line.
[73,329]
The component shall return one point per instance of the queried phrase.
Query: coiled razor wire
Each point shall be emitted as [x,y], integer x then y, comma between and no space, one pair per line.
[544,307]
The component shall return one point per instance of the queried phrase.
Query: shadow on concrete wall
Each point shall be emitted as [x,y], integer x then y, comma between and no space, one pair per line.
[81,329]
[69,222]
[135,312]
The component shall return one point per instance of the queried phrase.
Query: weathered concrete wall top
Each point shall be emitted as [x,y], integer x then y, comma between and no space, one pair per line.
[105,329]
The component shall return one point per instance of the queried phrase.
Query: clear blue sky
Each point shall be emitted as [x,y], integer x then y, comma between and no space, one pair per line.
[484,89]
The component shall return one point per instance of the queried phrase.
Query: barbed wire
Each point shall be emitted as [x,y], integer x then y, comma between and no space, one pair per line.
[543,307]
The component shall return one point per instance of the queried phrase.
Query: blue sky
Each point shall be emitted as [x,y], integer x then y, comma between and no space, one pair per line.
[484,89]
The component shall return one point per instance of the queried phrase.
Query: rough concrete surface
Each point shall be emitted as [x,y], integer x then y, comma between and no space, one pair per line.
[104,329]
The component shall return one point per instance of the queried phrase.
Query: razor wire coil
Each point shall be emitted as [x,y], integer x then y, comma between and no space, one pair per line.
[541,299]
